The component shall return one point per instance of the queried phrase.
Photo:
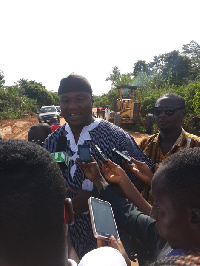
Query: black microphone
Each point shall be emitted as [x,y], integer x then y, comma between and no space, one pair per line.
[61,146]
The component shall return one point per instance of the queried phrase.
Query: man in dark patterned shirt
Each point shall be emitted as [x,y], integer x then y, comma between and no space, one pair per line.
[75,95]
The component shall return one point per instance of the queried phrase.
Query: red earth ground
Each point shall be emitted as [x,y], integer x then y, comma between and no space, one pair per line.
[18,128]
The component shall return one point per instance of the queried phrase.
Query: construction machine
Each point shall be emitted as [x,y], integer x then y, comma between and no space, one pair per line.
[130,108]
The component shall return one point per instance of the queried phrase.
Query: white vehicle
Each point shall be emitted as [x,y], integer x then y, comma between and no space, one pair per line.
[47,112]
[59,109]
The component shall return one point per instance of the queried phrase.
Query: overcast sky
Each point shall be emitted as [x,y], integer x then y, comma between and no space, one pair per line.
[46,40]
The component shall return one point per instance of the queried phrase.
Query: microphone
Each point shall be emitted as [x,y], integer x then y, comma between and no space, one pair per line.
[61,148]
[61,144]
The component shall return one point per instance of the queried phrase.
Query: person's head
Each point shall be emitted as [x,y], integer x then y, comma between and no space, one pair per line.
[53,120]
[39,132]
[176,209]
[75,95]
[184,260]
[32,200]
[103,256]
[169,111]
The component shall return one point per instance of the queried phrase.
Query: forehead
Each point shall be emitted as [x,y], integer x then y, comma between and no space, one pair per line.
[158,186]
[167,102]
[75,94]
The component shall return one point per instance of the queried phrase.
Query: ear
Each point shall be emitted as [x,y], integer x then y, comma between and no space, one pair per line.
[183,112]
[68,212]
[195,218]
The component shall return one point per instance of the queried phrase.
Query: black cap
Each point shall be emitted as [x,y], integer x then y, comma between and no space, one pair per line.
[74,82]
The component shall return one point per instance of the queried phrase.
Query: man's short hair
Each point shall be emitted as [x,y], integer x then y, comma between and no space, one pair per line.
[180,100]
[180,174]
[38,131]
[32,195]
[74,82]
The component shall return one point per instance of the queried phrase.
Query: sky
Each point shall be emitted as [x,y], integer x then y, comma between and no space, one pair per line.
[46,40]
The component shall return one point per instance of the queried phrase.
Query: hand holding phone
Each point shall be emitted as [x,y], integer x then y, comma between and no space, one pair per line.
[102,219]
[123,155]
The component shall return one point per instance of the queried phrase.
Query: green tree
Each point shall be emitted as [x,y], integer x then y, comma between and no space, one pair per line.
[177,68]
[2,80]
[101,100]
[36,91]
[55,97]
[140,67]
[114,77]
[13,105]
[117,78]
[192,51]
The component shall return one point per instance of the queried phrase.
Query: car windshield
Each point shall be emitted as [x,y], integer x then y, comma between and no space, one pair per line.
[47,109]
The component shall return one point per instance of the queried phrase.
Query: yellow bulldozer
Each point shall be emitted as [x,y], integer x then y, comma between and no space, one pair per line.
[130,109]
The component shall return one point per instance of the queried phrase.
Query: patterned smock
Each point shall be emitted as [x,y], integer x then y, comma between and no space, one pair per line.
[107,136]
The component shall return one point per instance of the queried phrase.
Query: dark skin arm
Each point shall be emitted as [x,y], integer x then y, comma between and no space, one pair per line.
[141,170]
[115,174]
[80,202]
[117,244]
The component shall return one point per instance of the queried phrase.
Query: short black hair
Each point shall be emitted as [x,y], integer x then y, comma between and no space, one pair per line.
[32,195]
[39,131]
[180,100]
[180,174]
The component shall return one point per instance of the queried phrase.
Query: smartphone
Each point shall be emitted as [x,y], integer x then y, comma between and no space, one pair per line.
[123,155]
[102,219]
[100,154]
[84,153]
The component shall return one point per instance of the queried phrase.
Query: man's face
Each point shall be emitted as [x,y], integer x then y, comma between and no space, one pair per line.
[172,222]
[168,120]
[76,108]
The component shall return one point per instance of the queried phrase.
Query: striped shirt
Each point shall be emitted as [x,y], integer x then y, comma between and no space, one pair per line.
[151,147]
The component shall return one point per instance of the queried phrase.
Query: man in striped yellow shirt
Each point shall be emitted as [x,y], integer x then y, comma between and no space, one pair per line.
[169,113]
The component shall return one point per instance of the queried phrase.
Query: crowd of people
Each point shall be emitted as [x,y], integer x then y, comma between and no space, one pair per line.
[103,112]
[155,199]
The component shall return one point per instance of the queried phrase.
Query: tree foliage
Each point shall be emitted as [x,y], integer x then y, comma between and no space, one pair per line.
[37,91]
[2,80]
[13,104]
[24,97]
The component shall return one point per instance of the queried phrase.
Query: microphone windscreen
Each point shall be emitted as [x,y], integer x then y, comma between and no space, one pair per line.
[61,144]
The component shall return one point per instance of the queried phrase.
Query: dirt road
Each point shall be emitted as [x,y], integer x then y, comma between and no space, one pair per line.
[18,128]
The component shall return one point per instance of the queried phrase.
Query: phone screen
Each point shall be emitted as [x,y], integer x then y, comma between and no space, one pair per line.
[84,153]
[102,219]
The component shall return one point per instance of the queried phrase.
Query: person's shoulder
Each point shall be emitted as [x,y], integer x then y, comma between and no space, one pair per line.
[59,131]
[104,124]
[150,137]
[192,136]
[146,140]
